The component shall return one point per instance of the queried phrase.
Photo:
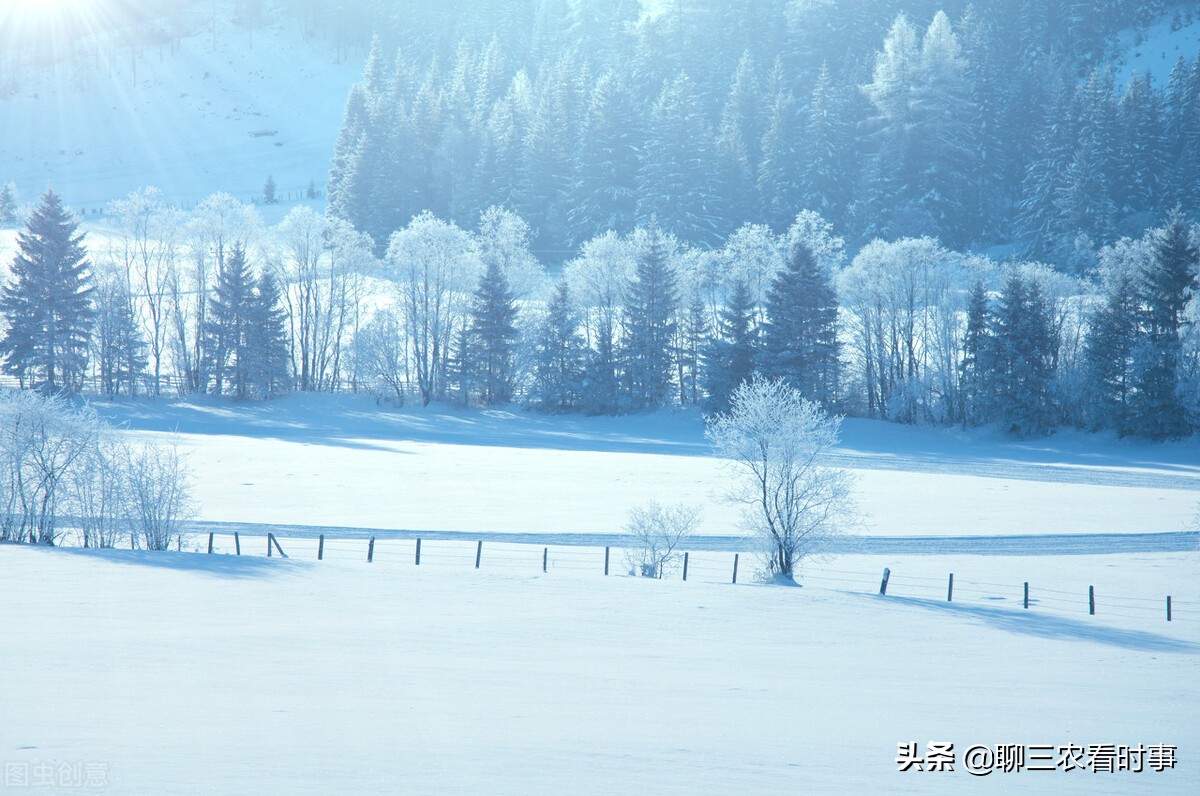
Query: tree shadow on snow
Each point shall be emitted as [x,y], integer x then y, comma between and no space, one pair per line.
[1032,623]
[220,565]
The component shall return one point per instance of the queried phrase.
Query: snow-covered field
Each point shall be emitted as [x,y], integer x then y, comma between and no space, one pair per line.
[167,673]
[320,461]
[158,673]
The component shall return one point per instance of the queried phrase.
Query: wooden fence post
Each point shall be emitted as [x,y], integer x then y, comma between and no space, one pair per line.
[271,540]
[1168,608]
[950,589]
[321,547]
[268,545]
[606,560]
[371,551]
[210,540]
[887,573]
[478,553]
[1092,600]
[545,556]
[418,552]
[1026,594]
[735,563]
[237,543]
[685,563]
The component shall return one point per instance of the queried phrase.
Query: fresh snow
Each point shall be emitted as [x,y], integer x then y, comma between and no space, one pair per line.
[312,460]
[188,672]
[189,120]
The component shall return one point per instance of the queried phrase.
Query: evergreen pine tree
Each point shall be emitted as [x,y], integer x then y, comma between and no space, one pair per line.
[1108,356]
[269,197]
[974,368]
[1168,282]
[492,336]
[267,340]
[650,322]
[730,354]
[229,318]
[48,302]
[799,342]
[1019,358]
[561,352]
[8,204]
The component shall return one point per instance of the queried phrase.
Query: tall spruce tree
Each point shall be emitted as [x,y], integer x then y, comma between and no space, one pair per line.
[491,339]
[1168,281]
[267,340]
[229,318]
[561,352]
[48,303]
[800,343]
[8,204]
[1108,356]
[729,355]
[975,365]
[1020,356]
[650,322]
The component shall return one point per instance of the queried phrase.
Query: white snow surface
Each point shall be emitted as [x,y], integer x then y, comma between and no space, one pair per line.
[210,114]
[178,672]
[319,460]
[1157,48]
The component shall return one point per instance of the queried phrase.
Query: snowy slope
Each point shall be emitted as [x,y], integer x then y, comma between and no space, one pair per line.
[312,460]
[174,673]
[1156,49]
[214,114]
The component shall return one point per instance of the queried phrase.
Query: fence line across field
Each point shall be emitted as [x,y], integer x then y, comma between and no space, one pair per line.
[702,566]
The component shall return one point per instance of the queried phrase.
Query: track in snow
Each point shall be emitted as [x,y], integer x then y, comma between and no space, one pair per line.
[1048,544]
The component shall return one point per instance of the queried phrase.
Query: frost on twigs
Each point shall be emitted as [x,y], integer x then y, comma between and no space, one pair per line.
[774,441]
[656,532]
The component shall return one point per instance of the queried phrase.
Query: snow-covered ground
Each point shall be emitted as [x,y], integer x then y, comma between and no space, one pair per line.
[323,461]
[164,673]
[214,113]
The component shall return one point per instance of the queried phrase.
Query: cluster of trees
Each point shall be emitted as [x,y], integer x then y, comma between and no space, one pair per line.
[221,327]
[906,330]
[976,124]
[62,468]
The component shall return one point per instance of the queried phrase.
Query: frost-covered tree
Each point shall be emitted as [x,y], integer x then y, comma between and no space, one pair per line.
[599,280]
[774,441]
[47,303]
[656,533]
[120,350]
[434,265]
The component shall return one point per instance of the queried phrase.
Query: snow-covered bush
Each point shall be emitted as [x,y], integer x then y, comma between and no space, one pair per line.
[99,493]
[42,443]
[656,532]
[158,495]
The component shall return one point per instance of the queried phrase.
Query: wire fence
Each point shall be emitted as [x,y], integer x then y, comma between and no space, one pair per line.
[711,567]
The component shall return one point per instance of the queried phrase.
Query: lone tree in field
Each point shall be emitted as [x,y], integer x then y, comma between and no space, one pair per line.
[774,440]
[47,305]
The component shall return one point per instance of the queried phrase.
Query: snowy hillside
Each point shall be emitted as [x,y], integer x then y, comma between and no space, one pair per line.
[1157,48]
[212,113]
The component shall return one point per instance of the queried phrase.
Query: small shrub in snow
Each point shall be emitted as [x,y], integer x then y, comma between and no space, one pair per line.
[657,532]
[158,500]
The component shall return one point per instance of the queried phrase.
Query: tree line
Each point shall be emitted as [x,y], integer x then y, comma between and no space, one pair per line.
[214,301]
